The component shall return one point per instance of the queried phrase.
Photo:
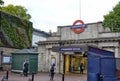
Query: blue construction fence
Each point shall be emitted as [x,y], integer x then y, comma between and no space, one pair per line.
[102,65]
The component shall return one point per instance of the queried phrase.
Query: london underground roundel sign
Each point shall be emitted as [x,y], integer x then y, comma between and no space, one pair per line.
[78,28]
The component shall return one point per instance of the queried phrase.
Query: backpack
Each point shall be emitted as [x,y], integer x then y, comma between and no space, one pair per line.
[52,69]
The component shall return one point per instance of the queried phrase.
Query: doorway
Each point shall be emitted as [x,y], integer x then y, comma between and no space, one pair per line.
[72,63]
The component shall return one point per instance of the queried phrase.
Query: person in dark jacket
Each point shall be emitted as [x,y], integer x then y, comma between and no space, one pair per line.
[25,68]
[52,70]
[81,68]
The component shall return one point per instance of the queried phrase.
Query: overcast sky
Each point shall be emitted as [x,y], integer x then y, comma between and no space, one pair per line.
[48,14]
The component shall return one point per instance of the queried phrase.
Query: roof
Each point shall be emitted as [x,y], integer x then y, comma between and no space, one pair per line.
[25,51]
[39,31]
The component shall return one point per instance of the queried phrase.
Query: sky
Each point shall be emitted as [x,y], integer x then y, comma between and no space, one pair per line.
[49,14]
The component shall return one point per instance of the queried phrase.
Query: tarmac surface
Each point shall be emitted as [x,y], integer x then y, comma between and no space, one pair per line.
[43,77]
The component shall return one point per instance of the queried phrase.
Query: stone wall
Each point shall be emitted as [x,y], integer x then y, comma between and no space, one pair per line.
[6,52]
[91,31]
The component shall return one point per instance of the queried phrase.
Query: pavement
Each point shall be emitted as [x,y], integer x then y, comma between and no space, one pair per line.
[43,77]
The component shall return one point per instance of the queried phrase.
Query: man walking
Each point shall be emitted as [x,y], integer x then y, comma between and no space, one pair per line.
[52,70]
[81,68]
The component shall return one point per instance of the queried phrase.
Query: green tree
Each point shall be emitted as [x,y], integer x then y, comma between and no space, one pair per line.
[17,10]
[1,3]
[112,20]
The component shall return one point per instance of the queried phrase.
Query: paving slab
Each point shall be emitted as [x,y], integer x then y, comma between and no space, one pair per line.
[43,77]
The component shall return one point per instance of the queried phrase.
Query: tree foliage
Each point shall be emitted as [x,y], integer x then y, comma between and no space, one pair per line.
[112,20]
[17,10]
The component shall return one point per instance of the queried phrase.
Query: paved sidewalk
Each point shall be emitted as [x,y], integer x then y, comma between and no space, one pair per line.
[44,77]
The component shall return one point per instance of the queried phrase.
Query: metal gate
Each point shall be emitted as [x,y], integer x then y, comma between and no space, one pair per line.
[108,69]
[93,67]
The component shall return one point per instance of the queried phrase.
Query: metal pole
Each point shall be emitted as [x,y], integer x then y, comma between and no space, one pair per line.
[32,76]
[80,8]
[7,75]
[63,75]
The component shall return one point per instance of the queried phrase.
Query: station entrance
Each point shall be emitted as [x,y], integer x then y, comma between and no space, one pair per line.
[73,57]
[72,63]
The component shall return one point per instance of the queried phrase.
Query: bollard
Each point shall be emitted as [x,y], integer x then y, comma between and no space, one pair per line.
[7,75]
[32,76]
[62,77]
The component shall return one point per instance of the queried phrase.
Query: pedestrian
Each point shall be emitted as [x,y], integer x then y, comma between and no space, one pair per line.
[81,68]
[52,71]
[25,68]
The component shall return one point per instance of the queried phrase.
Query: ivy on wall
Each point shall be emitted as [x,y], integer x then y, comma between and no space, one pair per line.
[1,42]
[19,32]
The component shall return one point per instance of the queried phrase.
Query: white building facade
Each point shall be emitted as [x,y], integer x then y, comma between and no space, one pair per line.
[94,34]
[38,35]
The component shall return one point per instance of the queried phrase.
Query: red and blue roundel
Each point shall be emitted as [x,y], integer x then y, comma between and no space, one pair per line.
[78,28]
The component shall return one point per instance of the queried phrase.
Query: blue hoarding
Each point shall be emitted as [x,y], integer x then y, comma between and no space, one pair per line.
[100,51]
